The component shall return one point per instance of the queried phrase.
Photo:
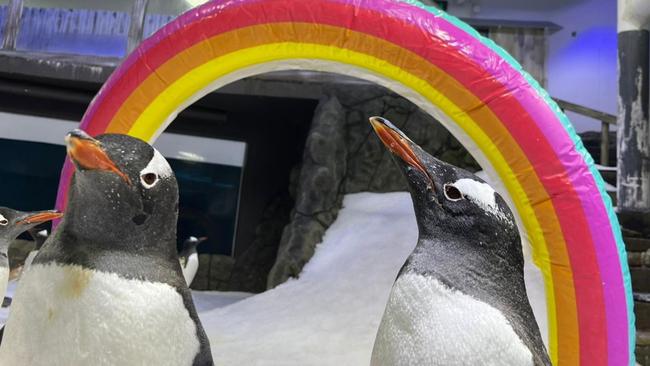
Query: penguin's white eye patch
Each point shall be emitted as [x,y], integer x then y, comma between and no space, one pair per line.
[157,169]
[452,193]
[3,221]
[481,194]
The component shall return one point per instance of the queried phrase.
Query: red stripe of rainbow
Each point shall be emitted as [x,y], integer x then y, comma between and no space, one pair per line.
[591,285]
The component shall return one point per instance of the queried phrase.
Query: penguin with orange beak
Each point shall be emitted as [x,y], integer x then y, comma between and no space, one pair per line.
[107,288]
[12,224]
[189,258]
[460,297]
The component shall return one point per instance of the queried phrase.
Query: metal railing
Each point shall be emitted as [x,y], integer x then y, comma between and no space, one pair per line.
[135,36]
[14,17]
[605,119]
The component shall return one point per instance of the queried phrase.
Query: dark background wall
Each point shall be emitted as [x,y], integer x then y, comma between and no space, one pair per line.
[274,130]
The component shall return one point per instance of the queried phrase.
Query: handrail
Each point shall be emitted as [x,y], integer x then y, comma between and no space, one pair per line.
[641,297]
[586,111]
[12,24]
[605,119]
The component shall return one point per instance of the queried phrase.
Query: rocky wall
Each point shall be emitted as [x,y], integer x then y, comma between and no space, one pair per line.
[343,155]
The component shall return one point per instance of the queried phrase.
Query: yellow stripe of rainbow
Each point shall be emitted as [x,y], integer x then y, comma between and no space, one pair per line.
[155,117]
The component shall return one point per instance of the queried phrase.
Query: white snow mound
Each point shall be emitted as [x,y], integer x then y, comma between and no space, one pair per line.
[331,314]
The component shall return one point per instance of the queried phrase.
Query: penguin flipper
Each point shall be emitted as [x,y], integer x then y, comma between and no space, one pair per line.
[203,359]
[541,360]
[2,333]
[204,356]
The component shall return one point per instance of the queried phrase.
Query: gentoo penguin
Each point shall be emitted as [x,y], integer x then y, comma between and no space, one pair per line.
[189,258]
[460,297]
[39,238]
[12,224]
[106,288]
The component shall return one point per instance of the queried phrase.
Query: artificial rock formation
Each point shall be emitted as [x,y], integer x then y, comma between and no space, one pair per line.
[317,193]
[343,155]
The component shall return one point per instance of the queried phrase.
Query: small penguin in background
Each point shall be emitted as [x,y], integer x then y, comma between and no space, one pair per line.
[460,297]
[12,224]
[107,288]
[189,258]
[39,238]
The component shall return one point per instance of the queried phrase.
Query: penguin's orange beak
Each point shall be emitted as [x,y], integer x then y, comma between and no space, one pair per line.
[87,153]
[396,143]
[40,217]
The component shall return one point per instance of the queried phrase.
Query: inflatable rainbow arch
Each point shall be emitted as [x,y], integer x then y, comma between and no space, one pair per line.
[506,120]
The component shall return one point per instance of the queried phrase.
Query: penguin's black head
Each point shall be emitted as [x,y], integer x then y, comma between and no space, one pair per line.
[192,242]
[13,223]
[449,200]
[123,192]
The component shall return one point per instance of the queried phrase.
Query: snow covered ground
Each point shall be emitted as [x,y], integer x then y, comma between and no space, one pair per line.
[330,315]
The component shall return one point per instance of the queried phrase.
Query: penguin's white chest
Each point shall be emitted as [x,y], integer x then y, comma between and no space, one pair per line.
[4,281]
[426,323]
[67,315]
[190,268]
[29,259]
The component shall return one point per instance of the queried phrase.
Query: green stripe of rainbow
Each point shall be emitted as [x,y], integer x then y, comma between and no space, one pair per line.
[477,90]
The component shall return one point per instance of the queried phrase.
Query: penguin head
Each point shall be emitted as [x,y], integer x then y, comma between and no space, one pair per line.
[123,191]
[190,244]
[38,236]
[13,222]
[450,200]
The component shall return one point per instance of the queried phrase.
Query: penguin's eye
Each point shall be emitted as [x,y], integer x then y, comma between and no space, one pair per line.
[452,193]
[4,222]
[149,179]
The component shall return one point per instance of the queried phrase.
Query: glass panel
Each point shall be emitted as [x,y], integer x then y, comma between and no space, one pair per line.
[29,182]
[92,27]
[209,193]
[161,12]
[4,11]
[208,202]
